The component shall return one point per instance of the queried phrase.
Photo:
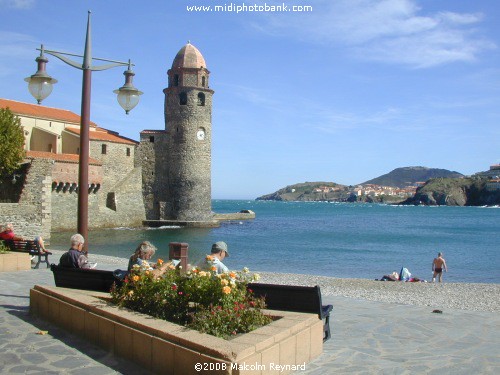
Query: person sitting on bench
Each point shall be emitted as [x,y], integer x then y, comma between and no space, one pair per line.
[8,235]
[74,258]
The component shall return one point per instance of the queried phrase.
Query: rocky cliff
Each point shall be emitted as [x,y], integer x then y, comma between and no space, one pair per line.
[455,192]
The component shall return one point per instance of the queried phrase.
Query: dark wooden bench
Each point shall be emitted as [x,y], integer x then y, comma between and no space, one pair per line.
[31,247]
[101,280]
[86,279]
[305,299]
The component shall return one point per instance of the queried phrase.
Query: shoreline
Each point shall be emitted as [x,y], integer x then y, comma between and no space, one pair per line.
[460,296]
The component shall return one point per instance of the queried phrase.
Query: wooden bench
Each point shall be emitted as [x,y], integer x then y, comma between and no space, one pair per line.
[101,280]
[86,279]
[31,247]
[305,299]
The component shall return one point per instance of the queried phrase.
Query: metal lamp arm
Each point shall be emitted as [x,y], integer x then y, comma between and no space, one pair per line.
[60,56]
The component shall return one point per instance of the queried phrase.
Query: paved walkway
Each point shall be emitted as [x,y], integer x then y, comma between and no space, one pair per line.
[368,338]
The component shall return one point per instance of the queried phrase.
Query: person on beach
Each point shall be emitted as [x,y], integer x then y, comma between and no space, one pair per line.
[74,257]
[438,265]
[213,262]
[7,234]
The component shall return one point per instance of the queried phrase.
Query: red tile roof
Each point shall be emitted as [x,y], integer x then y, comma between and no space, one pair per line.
[101,135]
[40,111]
[65,158]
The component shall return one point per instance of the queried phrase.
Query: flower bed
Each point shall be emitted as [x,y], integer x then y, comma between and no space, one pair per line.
[282,346]
[217,304]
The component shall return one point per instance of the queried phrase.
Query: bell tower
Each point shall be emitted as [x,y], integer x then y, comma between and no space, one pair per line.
[188,124]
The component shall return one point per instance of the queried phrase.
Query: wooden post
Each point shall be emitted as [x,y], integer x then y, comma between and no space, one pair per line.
[179,250]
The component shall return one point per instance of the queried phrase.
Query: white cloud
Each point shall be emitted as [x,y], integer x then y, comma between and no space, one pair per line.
[18,4]
[391,31]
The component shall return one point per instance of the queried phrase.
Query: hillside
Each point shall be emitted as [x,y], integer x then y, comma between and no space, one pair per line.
[305,192]
[456,192]
[408,176]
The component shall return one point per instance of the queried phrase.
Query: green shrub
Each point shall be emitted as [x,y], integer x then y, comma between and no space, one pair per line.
[219,305]
[3,249]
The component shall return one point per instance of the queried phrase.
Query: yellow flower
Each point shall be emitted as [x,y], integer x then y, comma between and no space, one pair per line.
[171,266]
[256,276]
[159,261]
[232,275]
[213,268]
[226,290]
[202,273]
[147,273]
[209,258]
[246,270]
[224,282]
[131,293]
[135,278]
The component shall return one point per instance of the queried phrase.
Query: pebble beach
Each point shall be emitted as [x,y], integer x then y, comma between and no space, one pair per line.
[462,296]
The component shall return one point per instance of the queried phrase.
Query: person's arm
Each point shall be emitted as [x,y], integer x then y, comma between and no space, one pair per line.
[444,265]
[433,264]
[83,262]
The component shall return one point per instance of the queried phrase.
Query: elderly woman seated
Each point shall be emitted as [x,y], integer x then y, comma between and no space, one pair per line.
[144,252]
[7,234]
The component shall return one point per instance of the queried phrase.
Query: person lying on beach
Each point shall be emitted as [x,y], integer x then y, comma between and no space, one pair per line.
[213,262]
[7,234]
[74,257]
[438,264]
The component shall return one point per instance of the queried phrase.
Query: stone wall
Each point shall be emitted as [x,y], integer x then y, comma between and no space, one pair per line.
[153,153]
[31,216]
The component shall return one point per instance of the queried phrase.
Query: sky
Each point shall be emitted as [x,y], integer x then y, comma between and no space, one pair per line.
[344,92]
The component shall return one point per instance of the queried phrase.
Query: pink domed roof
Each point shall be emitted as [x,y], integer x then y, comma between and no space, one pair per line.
[189,57]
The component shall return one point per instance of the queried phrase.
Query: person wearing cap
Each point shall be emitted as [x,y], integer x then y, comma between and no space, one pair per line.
[217,255]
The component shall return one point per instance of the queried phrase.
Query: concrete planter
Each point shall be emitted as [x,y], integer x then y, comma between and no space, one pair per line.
[283,346]
[15,262]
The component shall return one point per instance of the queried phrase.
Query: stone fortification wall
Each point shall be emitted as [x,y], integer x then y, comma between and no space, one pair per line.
[31,216]
[117,160]
[121,207]
[153,153]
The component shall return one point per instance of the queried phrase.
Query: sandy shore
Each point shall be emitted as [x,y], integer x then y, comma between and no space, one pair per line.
[462,296]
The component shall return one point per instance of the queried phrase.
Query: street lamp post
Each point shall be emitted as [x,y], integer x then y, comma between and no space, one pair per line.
[40,86]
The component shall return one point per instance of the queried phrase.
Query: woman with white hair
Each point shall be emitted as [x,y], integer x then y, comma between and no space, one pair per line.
[144,252]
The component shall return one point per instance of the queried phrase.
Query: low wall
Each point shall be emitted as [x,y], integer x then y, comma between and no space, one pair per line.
[292,341]
[15,262]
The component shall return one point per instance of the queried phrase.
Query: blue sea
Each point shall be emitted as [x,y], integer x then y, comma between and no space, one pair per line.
[332,239]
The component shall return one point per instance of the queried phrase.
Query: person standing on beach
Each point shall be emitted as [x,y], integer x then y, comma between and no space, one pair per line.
[437,266]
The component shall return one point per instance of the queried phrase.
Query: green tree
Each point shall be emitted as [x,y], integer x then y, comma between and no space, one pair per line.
[11,142]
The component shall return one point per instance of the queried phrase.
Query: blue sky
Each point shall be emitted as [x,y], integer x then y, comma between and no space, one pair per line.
[344,93]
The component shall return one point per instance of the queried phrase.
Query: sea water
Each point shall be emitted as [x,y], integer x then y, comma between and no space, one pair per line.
[350,240]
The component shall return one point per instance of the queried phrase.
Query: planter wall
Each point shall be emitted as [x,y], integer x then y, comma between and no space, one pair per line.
[15,262]
[291,341]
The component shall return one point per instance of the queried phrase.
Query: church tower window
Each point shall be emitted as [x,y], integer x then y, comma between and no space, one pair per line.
[183,99]
[201,99]
[203,81]
[176,80]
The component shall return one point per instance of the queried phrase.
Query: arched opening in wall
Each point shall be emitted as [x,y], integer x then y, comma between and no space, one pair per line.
[201,99]
[97,187]
[54,185]
[183,98]
[176,80]
[203,81]
[104,149]
[66,187]
[73,187]
[59,187]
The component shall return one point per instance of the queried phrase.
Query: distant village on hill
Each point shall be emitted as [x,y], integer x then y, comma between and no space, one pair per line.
[407,185]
